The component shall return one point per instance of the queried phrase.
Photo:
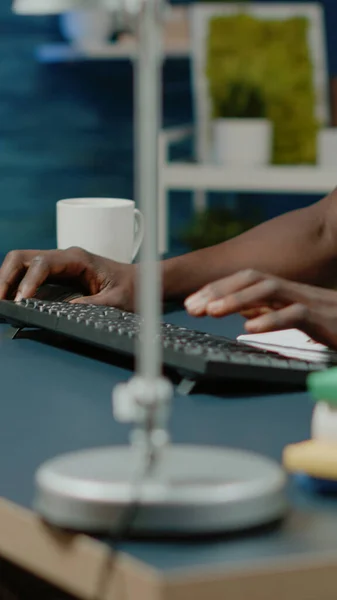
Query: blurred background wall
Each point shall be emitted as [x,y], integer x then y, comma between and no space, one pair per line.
[66,130]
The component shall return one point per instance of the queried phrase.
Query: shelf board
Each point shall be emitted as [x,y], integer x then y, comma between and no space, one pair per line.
[124,49]
[274,179]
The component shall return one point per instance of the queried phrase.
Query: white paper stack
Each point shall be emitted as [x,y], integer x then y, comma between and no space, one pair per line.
[291,343]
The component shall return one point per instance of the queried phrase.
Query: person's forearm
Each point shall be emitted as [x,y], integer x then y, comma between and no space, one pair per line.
[300,245]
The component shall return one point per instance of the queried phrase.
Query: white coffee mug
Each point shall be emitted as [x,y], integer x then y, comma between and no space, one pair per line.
[110,227]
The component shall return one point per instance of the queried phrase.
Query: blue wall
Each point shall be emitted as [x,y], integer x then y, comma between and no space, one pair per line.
[66,130]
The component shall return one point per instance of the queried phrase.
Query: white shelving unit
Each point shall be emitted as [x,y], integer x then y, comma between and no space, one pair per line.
[201,177]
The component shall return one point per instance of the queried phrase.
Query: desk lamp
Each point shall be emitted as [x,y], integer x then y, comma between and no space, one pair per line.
[152,486]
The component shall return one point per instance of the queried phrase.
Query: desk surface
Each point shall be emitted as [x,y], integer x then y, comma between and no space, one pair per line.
[54,401]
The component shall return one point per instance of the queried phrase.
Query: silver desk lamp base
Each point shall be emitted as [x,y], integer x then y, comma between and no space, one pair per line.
[196,490]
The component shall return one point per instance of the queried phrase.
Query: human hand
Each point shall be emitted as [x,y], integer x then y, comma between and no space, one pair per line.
[103,281]
[271,304]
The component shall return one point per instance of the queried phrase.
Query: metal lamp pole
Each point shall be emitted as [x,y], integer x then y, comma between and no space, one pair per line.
[145,398]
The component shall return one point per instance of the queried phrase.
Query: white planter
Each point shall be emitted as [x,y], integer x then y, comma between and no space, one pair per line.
[243,141]
[87,28]
[327,147]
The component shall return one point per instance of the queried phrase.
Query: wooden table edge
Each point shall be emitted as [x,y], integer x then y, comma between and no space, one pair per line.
[87,568]
[75,563]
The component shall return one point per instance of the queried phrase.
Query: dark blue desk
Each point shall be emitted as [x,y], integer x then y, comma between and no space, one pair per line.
[55,400]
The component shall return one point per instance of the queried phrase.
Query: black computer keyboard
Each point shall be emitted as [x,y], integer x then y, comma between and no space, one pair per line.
[191,353]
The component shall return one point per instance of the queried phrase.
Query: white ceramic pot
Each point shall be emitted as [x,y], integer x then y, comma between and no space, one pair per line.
[243,141]
[87,28]
[327,147]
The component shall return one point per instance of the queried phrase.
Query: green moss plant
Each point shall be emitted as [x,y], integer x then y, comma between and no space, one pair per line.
[274,57]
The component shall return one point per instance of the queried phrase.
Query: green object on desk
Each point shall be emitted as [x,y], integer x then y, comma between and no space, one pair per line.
[323,385]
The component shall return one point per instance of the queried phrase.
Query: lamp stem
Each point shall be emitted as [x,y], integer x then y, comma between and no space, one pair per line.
[147,122]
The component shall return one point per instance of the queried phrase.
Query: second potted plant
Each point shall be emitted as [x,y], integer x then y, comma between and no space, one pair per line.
[242,134]
[87,29]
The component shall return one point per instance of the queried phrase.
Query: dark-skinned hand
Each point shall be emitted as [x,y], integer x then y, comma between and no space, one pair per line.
[270,304]
[103,281]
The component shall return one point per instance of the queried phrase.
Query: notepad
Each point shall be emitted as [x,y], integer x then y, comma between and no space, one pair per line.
[291,343]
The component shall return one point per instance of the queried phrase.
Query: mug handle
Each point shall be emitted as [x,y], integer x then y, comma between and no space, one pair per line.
[139,232]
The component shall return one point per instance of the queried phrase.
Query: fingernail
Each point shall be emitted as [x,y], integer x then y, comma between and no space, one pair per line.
[196,302]
[18,297]
[254,324]
[216,306]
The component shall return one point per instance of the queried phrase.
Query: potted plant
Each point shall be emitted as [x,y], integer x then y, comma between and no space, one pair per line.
[87,29]
[215,225]
[242,134]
